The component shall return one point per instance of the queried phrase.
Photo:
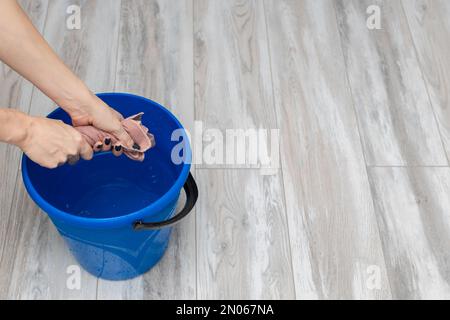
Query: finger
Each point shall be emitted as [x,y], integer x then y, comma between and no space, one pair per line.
[98,146]
[117,150]
[86,151]
[107,143]
[124,137]
[73,159]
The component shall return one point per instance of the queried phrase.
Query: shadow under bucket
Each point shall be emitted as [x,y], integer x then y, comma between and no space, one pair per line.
[114,213]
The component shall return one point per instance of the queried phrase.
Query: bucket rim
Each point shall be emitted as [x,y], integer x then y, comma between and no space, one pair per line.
[161,203]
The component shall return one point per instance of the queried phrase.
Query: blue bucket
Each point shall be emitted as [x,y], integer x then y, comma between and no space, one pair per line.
[114,213]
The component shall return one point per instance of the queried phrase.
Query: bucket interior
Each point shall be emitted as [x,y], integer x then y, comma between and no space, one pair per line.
[110,186]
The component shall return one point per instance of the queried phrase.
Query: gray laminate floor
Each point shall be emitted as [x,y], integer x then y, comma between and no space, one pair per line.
[359,207]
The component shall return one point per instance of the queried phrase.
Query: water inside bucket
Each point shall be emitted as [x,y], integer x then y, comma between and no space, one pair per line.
[108,186]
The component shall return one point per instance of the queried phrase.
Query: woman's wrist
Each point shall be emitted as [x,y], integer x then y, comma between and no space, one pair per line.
[76,101]
[14,126]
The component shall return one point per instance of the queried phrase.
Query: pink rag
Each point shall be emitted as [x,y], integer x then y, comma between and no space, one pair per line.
[133,126]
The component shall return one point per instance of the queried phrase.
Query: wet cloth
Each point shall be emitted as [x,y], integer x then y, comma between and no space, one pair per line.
[133,126]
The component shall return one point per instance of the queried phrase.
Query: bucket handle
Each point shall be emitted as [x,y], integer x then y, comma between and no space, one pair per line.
[190,187]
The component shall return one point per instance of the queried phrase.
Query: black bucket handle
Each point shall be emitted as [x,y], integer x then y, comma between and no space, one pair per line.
[190,187]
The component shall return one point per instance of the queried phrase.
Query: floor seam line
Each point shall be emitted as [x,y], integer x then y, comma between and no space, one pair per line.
[281,162]
[419,64]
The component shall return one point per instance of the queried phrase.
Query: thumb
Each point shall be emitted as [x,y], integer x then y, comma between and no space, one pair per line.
[86,151]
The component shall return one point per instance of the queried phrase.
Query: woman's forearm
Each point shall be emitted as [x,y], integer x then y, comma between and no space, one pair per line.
[48,142]
[13,126]
[26,51]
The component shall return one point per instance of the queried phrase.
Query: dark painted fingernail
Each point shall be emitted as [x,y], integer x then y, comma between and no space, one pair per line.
[99,146]
[107,141]
[136,146]
[118,148]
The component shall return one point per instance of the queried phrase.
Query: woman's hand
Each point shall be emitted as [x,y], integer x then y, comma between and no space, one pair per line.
[93,111]
[52,143]
[27,52]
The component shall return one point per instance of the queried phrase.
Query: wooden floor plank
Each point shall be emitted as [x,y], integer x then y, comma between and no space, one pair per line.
[430,29]
[333,230]
[242,238]
[394,112]
[15,92]
[413,211]
[343,97]
[41,257]
[155,61]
